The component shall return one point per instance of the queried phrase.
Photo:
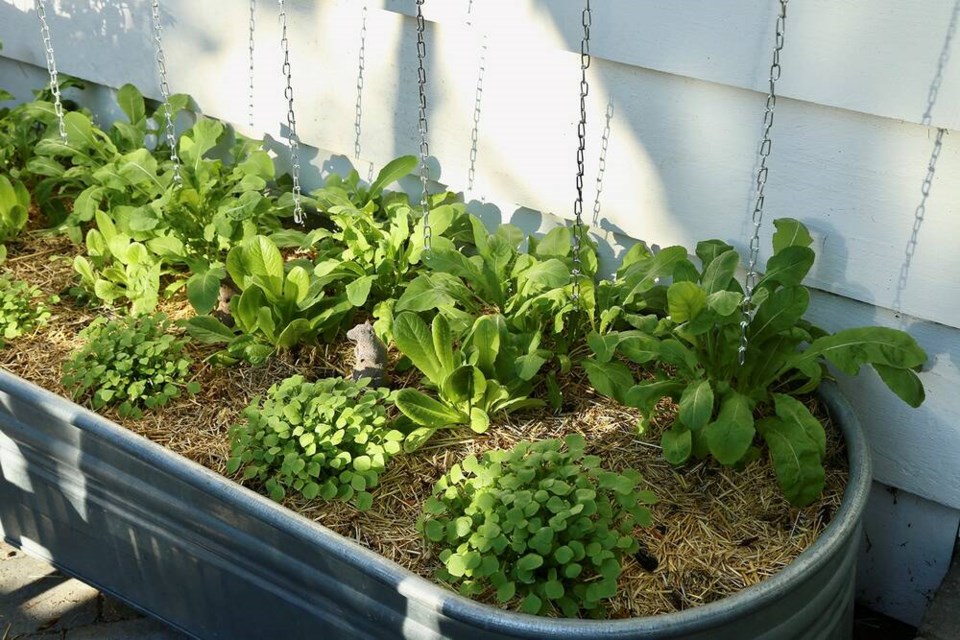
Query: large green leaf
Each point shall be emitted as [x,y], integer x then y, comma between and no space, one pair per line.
[850,349]
[793,411]
[433,291]
[645,395]
[209,330]
[413,339]
[685,300]
[465,385]
[903,382]
[391,172]
[485,342]
[788,267]
[677,444]
[194,144]
[443,344]
[555,243]
[611,379]
[709,250]
[603,346]
[79,130]
[131,102]
[425,411]
[781,310]
[696,404]
[642,276]
[790,233]
[795,459]
[203,290]
[731,434]
[358,290]
[717,275]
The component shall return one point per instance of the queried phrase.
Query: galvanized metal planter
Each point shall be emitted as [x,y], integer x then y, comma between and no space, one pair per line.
[218,561]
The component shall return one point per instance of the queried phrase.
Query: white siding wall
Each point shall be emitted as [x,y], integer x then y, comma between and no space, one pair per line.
[865,84]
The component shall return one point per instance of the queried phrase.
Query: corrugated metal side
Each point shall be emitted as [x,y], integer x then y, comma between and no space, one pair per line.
[218,561]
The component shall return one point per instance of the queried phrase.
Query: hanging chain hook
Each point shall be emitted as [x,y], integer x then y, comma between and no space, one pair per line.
[361,68]
[765,145]
[292,140]
[578,230]
[165,93]
[477,103]
[51,67]
[252,28]
[422,125]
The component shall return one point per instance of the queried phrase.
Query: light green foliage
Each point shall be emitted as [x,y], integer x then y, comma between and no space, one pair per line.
[690,335]
[132,362]
[486,371]
[542,523]
[14,206]
[118,268]
[531,289]
[281,304]
[329,439]
[22,308]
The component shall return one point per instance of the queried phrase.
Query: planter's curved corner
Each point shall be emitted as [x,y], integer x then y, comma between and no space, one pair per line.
[218,561]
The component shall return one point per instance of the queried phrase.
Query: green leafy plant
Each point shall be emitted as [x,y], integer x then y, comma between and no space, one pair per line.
[281,304]
[490,372]
[132,362]
[541,523]
[14,205]
[692,346]
[329,439]
[22,308]
[118,268]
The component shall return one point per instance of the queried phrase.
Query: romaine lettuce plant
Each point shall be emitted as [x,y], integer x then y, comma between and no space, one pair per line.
[476,375]
[14,206]
[692,352]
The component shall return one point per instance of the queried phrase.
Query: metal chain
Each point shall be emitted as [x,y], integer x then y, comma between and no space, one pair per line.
[422,124]
[765,145]
[292,140]
[578,231]
[361,66]
[51,67]
[165,93]
[477,102]
[602,168]
[250,43]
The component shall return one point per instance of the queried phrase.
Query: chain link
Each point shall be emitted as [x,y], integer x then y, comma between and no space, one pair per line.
[361,66]
[602,168]
[165,93]
[51,67]
[578,230]
[292,140]
[757,217]
[250,58]
[477,103]
[422,125]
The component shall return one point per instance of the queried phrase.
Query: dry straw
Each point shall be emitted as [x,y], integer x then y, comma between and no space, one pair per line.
[715,530]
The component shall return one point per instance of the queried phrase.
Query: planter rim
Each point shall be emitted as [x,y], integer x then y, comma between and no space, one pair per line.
[453,605]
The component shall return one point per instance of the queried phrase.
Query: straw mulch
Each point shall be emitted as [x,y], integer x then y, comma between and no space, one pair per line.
[715,530]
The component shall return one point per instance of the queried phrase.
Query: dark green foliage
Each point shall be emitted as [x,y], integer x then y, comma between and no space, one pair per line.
[329,439]
[22,308]
[688,334]
[542,524]
[132,362]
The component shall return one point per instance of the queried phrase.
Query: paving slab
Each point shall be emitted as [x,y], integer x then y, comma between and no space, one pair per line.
[37,601]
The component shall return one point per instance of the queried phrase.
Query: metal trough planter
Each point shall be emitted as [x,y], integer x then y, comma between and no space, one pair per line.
[219,561]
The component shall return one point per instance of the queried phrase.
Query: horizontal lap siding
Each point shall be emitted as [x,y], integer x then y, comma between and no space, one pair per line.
[684,82]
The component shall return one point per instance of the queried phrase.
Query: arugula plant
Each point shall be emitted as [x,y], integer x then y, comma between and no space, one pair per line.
[281,304]
[693,352]
[486,371]
[537,523]
[531,289]
[22,308]
[328,439]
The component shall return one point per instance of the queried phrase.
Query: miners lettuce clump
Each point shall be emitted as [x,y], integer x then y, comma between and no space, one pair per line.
[540,522]
[21,308]
[329,439]
[132,362]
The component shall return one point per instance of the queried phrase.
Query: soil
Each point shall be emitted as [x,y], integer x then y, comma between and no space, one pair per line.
[716,530]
